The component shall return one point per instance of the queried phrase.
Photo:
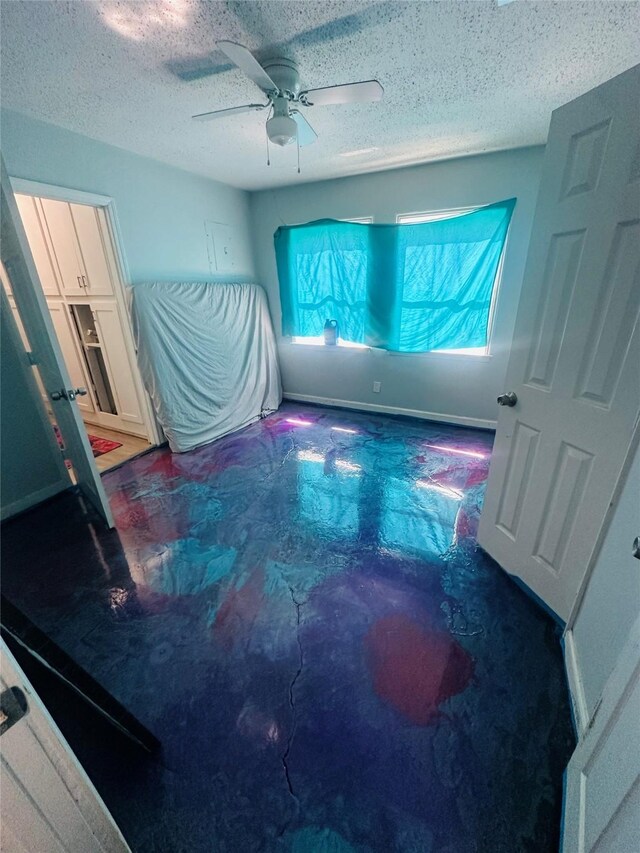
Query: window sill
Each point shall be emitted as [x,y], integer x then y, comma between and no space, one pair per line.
[318,346]
[443,354]
[434,354]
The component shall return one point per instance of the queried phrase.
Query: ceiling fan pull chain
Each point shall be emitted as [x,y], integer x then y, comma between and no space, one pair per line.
[267,138]
[298,144]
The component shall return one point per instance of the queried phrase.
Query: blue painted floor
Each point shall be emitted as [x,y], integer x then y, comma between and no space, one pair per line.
[300,613]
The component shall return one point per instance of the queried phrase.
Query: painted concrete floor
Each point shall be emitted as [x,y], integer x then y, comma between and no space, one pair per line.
[300,613]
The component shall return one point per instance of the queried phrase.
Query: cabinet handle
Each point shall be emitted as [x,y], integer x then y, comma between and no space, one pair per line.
[84,281]
[79,278]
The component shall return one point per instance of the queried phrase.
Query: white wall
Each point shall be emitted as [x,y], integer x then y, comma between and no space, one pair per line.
[454,387]
[161,211]
[31,465]
[612,599]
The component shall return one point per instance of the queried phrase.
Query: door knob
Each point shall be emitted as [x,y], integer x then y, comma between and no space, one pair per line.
[68,393]
[508,399]
[635,548]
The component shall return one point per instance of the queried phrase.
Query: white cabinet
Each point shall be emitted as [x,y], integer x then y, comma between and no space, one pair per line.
[62,231]
[90,225]
[33,220]
[76,233]
[113,345]
[67,337]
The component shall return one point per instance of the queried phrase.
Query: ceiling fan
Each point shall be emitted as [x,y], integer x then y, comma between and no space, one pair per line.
[279,80]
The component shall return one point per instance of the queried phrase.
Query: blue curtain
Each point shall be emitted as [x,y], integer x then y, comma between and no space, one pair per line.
[407,288]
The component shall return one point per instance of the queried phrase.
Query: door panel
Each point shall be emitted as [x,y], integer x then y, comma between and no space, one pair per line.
[118,366]
[48,802]
[62,324]
[87,224]
[36,234]
[65,245]
[34,312]
[573,365]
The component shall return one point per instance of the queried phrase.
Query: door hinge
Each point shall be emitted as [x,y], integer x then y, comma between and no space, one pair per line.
[32,359]
[13,707]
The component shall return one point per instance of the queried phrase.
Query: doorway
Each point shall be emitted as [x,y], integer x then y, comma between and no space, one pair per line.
[72,239]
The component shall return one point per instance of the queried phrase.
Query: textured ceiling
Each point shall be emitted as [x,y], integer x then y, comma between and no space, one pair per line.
[459,77]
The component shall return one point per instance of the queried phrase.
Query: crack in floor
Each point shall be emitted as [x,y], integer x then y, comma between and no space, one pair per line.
[285,755]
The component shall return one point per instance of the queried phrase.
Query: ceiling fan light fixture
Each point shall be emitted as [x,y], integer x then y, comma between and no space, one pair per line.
[282,130]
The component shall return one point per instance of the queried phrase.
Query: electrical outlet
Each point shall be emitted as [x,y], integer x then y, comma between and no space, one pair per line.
[376,387]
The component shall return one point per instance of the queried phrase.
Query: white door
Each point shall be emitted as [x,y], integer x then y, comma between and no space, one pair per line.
[48,802]
[602,795]
[88,227]
[574,363]
[30,300]
[67,337]
[65,245]
[118,366]
[34,224]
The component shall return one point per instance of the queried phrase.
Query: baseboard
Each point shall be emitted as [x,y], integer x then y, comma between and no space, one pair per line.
[33,499]
[476,423]
[576,690]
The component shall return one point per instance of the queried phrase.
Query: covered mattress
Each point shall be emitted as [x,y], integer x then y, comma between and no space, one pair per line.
[207,355]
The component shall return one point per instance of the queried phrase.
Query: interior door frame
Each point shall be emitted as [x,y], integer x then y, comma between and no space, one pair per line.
[616,693]
[582,718]
[121,280]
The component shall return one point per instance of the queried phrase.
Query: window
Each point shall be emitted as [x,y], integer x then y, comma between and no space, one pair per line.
[436,216]
[318,340]
[424,284]
[431,216]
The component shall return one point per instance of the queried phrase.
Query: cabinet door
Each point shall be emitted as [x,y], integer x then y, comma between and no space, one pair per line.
[118,366]
[65,245]
[67,338]
[89,224]
[30,213]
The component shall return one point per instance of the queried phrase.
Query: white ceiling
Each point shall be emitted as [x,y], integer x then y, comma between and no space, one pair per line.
[459,77]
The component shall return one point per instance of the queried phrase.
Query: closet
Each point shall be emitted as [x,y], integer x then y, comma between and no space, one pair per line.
[73,252]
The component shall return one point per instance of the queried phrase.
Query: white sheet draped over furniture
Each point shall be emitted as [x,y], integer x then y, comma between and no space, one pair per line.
[207,355]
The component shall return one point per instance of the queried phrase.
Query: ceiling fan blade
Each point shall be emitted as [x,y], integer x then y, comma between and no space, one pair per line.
[306,134]
[246,62]
[347,93]
[379,13]
[249,108]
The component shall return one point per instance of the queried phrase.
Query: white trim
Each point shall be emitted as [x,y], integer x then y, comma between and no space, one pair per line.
[577,604]
[33,499]
[477,423]
[440,354]
[37,188]
[437,354]
[576,686]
